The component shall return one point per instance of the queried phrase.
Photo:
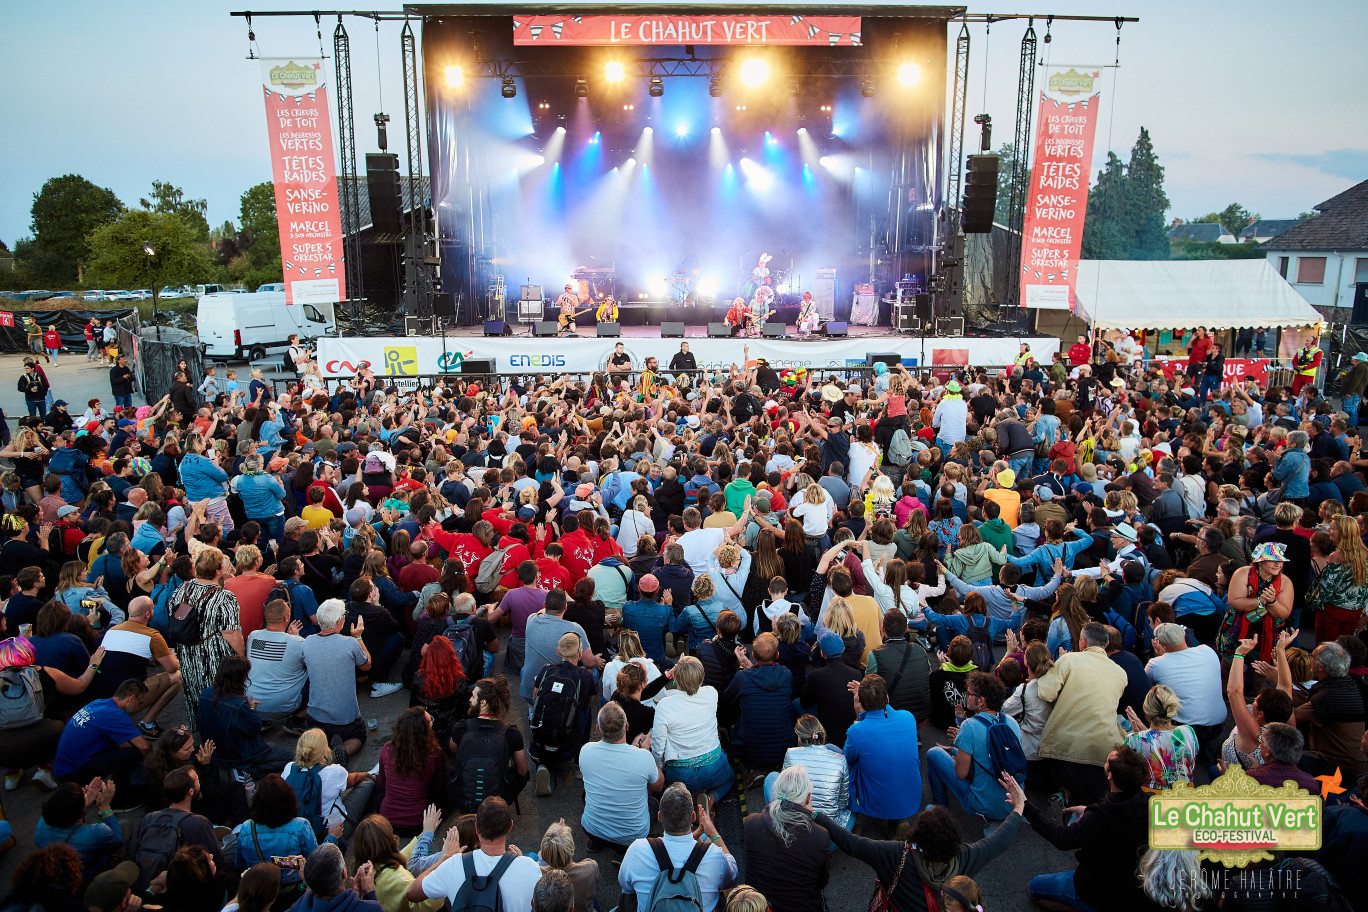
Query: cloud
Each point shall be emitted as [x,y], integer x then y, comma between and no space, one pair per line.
[1347,163]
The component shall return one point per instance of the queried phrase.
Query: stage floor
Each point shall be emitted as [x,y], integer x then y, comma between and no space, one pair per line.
[690,332]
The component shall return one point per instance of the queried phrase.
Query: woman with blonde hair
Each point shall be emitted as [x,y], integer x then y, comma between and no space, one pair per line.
[1340,593]
[839,618]
[684,737]
[29,456]
[73,588]
[557,851]
[343,796]
[1169,749]
[745,898]
[629,651]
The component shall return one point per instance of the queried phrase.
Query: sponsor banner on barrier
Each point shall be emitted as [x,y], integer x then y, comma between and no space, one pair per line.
[305,173]
[412,356]
[778,29]
[1057,192]
[1248,370]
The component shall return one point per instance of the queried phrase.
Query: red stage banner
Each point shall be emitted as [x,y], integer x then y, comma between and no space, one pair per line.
[824,31]
[305,173]
[1248,370]
[6,319]
[1057,196]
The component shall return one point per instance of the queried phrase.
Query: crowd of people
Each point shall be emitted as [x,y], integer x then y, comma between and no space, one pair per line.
[904,615]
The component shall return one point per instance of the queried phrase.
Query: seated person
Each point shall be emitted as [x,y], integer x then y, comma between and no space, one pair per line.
[561,696]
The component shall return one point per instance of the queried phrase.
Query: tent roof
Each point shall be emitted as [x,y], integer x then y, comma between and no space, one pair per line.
[1185,294]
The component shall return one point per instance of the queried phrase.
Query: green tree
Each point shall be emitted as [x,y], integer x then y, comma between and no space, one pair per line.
[1006,162]
[64,213]
[1104,236]
[1303,216]
[258,210]
[169,199]
[177,257]
[1147,200]
[260,238]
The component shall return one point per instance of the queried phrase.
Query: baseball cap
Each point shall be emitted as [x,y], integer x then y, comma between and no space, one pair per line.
[66,511]
[354,516]
[584,491]
[648,583]
[345,446]
[109,890]
[526,512]
[1044,492]
[295,522]
[61,402]
[1082,489]
[830,644]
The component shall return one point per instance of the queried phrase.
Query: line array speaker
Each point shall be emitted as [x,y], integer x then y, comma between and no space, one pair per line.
[672,330]
[382,192]
[980,194]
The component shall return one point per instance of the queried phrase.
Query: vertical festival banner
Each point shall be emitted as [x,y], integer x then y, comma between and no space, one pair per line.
[1057,192]
[305,174]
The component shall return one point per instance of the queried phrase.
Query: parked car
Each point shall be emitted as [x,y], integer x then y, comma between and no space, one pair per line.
[60,294]
[34,295]
[94,294]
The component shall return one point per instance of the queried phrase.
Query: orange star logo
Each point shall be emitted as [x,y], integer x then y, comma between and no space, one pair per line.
[1330,785]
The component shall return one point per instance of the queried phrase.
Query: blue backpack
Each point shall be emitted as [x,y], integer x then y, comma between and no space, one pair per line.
[1004,749]
[1126,627]
[308,789]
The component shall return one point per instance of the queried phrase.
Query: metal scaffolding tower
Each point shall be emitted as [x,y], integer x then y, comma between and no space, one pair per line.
[417,291]
[1021,154]
[347,180]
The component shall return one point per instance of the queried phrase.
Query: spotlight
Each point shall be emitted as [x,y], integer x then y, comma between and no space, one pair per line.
[715,87]
[657,87]
[509,89]
[581,87]
[657,284]
[740,107]
[826,109]
[908,74]
[707,286]
[560,129]
[802,131]
[681,129]
[781,289]
[867,88]
[613,72]
[647,130]
[754,72]
[716,130]
[545,105]
[454,75]
[629,107]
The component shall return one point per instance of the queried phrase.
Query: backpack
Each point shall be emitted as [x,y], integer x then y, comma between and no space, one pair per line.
[555,709]
[1004,749]
[1124,626]
[480,894]
[675,891]
[159,836]
[21,697]
[308,788]
[161,602]
[468,650]
[282,592]
[982,638]
[491,569]
[899,451]
[481,764]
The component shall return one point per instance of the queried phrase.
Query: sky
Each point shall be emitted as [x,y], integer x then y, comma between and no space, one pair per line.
[1259,102]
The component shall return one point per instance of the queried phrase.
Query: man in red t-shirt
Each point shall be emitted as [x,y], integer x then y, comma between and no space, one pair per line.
[467,547]
[579,549]
[417,573]
[1080,352]
[327,480]
[551,572]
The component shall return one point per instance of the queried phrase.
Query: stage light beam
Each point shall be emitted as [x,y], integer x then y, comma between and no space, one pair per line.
[909,74]
[754,72]
[613,72]
[681,129]
[657,285]
[455,75]
[707,286]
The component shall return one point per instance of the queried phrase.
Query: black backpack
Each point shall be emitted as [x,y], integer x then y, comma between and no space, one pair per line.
[555,709]
[159,836]
[468,649]
[282,592]
[481,764]
[982,638]
[480,894]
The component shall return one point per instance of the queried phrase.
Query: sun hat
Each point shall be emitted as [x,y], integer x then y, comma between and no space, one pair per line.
[1126,531]
[1087,472]
[952,387]
[1361,356]
[1006,478]
[1269,551]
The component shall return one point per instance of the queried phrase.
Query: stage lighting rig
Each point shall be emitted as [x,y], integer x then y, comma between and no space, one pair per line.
[867,87]
[581,87]
[455,75]
[715,87]
[508,88]
[754,72]
[613,72]
[657,88]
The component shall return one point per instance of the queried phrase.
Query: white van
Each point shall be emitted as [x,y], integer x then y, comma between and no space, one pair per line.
[252,326]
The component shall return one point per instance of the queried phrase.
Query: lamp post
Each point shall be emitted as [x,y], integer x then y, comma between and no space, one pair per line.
[152,271]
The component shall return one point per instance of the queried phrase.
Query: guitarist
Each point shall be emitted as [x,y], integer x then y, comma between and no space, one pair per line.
[760,311]
[808,321]
[607,311]
[736,316]
[566,302]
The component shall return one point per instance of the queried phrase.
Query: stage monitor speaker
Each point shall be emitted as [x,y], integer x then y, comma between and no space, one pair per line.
[718,331]
[382,191]
[544,328]
[835,329]
[980,195]
[892,359]
[906,320]
[496,328]
[477,366]
[531,293]
[609,330]
[443,307]
[950,326]
[672,330]
[773,330]
[925,308]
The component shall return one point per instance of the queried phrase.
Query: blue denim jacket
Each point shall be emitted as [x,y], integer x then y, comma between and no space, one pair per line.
[294,838]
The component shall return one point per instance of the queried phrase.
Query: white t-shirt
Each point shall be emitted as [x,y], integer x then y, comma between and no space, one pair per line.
[610,672]
[815,516]
[863,457]
[515,886]
[333,779]
[699,545]
[1194,674]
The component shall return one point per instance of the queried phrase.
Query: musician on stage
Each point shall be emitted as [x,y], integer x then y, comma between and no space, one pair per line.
[808,321]
[566,302]
[683,359]
[607,311]
[736,316]
[759,311]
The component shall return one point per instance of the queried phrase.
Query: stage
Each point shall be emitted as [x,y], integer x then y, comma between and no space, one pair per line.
[426,356]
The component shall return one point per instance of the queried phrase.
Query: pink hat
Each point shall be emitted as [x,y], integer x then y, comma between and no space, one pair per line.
[584,491]
[143,412]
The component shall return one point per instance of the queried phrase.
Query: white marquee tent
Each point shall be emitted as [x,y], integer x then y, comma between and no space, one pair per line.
[1185,294]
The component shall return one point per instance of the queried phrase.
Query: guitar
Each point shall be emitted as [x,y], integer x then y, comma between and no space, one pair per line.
[565,319]
[754,320]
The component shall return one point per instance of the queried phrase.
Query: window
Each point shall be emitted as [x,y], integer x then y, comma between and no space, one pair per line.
[1282,266]
[1361,269]
[1310,270]
[312,314]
